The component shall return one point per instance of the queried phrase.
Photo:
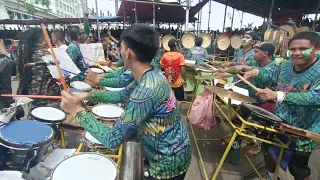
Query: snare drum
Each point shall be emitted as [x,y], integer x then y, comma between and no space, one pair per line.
[107,113]
[78,166]
[48,115]
[11,175]
[113,89]
[93,144]
[81,85]
[261,117]
[97,70]
[24,141]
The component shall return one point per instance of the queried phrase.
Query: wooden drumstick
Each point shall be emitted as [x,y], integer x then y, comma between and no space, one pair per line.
[248,83]
[32,96]
[97,64]
[46,36]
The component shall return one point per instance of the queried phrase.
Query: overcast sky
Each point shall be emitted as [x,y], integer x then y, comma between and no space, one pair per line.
[216,20]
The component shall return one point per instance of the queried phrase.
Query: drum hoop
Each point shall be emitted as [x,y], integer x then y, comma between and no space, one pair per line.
[85,89]
[247,106]
[46,120]
[102,116]
[11,145]
[112,161]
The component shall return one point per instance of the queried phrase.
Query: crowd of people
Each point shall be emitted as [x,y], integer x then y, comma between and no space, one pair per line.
[153,99]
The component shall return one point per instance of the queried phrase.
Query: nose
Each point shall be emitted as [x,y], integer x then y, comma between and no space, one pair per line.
[296,52]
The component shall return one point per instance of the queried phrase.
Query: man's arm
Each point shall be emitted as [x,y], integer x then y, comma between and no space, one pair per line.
[118,82]
[113,96]
[140,107]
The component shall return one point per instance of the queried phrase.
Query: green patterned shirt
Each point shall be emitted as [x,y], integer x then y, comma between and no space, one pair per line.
[299,107]
[151,112]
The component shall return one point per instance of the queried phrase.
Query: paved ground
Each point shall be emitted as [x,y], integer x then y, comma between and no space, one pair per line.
[212,152]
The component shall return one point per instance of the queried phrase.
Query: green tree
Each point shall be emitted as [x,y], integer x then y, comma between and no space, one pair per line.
[31,8]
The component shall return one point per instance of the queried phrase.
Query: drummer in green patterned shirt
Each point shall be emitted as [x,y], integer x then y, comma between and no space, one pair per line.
[297,98]
[151,110]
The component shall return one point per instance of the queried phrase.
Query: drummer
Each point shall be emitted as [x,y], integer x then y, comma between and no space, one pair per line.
[264,55]
[296,97]
[151,110]
[198,53]
[244,56]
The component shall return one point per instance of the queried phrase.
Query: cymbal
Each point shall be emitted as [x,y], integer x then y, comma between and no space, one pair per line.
[230,94]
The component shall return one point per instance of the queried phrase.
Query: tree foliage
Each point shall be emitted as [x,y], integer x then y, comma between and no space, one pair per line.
[30,6]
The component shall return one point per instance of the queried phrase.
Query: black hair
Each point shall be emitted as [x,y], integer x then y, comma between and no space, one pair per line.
[28,40]
[199,41]
[172,44]
[59,35]
[143,41]
[7,42]
[313,37]
[73,32]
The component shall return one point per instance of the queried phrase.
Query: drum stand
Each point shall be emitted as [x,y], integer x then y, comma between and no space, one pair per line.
[240,131]
[116,156]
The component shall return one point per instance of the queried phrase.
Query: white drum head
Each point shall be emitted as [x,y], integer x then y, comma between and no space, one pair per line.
[97,70]
[86,166]
[48,113]
[10,175]
[107,111]
[113,89]
[81,85]
[90,138]
[187,61]
[107,68]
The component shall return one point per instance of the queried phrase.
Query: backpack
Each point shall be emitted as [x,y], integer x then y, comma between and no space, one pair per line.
[202,113]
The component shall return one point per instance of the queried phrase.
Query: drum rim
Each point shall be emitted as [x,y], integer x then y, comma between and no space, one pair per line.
[85,89]
[107,88]
[46,120]
[11,145]
[102,71]
[104,105]
[248,106]
[112,161]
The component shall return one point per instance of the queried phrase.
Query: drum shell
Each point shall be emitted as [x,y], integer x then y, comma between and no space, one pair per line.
[19,158]
[93,147]
[108,121]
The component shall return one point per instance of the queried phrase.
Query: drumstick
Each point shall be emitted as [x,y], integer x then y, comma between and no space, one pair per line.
[248,83]
[46,36]
[32,96]
[206,60]
[97,64]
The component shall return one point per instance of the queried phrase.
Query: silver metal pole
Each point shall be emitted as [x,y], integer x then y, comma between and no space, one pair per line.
[232,18]
[200,20]
[270,15]
[124,14]
[135,12]
[198,24]
[224,20]
[316,17]
[154,15]
[98,24]
[187,15]
[241,20]
[209,15]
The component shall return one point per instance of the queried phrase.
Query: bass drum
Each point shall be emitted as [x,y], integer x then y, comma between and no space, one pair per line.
[223,42]
[188,40]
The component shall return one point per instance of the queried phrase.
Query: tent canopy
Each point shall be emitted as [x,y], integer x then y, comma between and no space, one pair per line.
[163,13]
[281,7]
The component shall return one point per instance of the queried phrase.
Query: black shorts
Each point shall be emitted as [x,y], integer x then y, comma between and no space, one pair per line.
[179,93]
[299,165]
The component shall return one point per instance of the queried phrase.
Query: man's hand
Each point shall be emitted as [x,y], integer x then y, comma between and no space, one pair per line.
[93,78]
[238,68]
[267,94]
[227,64]
[251,74]
[70,103]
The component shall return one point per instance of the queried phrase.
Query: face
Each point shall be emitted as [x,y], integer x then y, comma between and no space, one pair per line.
[81,36]
[301,51]
[125,53]
[247,40]
[259,55]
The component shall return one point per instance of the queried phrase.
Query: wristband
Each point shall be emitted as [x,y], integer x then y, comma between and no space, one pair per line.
[280,96]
